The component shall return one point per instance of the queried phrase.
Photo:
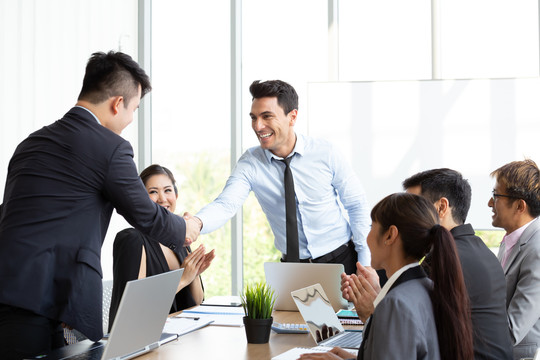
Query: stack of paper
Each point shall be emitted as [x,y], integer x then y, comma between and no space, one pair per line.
[219,315]
[182,326]
[295,353]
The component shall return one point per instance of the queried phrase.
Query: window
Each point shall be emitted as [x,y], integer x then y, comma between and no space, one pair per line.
[191,112]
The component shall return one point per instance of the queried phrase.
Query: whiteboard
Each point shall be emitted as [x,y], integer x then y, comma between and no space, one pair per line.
[391,130]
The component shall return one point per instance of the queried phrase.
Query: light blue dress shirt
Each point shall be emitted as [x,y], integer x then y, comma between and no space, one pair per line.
[331,202]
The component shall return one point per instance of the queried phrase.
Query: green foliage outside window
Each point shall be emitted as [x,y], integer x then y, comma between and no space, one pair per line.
[201,178]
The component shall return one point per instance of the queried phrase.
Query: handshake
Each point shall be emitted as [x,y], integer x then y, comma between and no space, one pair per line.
[193,228]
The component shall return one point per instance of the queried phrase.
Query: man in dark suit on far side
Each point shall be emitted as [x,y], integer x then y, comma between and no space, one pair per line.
[450,193]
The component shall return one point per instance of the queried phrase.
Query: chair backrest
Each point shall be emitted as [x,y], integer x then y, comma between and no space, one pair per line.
[73,336]
[107,294]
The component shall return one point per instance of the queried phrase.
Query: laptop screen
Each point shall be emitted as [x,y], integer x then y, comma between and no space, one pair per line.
[317,311]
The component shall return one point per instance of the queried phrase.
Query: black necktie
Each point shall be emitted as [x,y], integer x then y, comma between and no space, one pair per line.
[290,212]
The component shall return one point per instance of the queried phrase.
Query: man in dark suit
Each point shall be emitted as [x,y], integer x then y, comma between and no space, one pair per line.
[63,182]
[484,278]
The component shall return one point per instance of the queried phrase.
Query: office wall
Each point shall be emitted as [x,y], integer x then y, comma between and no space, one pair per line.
[391,130]
[44,46]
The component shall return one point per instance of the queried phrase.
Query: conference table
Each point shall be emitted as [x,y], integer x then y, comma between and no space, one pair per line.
[229,342]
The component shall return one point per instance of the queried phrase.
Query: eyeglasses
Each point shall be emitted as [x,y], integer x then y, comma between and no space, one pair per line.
[494,196]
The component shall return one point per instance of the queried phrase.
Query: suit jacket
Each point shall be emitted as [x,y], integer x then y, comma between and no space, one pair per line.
[63,182]
[522,273]
[403,325]
[484,279]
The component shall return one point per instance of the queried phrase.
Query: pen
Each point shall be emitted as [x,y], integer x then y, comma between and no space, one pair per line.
[190,317]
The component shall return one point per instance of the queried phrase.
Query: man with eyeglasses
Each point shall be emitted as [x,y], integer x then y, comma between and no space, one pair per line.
[516,205]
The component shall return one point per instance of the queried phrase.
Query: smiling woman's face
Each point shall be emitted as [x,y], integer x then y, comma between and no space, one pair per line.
[161,190]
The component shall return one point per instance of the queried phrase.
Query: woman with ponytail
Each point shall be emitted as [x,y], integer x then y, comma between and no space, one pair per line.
[412,317]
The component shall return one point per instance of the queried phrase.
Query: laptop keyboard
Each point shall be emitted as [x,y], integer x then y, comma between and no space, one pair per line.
[349,339]
[92,354]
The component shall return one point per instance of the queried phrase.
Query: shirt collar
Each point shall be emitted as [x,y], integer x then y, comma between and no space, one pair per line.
[391,282]
[91,113]
[299,148]
[511,239]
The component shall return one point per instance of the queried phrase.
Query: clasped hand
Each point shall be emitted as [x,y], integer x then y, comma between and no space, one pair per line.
[193,228]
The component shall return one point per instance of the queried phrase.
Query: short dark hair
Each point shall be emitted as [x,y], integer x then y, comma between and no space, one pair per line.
[448,183]
[113,74]
[287,97]
[156,169]
[522,181]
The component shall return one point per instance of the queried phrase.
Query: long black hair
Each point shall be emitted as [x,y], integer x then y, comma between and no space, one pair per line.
[418,226]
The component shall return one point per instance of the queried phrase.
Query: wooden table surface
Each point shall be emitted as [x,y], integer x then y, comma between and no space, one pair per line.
[227,342]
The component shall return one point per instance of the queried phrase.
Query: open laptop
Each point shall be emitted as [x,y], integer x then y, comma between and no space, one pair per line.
[286,277]
[319,315]
[138,325]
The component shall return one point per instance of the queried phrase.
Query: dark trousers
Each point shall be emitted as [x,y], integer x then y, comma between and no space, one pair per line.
[26,334]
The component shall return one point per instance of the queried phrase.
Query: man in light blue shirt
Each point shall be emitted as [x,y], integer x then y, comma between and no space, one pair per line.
[327,231]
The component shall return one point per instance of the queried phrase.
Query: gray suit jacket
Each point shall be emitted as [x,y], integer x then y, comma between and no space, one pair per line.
[522,273]
[403,326]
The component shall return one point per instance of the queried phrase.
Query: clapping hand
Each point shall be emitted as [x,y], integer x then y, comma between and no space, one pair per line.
[195,264]
[362,289]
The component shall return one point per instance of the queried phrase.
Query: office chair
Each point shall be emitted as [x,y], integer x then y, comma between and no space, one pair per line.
[73,336]
[107,295]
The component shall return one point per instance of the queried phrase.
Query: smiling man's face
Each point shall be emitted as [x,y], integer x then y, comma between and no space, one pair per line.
[274,128]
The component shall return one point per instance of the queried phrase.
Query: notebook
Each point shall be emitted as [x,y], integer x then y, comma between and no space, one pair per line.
[317,311]
[138,325]
[286,277]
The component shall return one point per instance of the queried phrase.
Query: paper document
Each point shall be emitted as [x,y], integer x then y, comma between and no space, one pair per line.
[234,301]
[295,353]
[181,326]
[225,316]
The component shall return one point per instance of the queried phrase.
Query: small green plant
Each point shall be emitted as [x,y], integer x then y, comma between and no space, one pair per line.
[258,301]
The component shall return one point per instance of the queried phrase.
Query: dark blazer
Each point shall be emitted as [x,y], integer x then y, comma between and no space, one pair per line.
[63,182]
[484,279]
[127,252]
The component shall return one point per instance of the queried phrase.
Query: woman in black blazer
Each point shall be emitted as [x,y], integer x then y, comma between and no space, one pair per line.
[136,255]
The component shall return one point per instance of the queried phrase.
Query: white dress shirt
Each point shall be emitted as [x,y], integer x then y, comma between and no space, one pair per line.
[327,192]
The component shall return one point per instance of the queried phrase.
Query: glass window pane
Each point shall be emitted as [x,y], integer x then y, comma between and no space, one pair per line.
[191,112]
[384,40]
[285,40]
[489,38]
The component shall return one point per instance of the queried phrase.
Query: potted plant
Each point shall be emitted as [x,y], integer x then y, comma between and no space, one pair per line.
[258,302]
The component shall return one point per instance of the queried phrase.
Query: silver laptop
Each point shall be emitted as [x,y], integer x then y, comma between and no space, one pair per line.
[322,321]
[287,277]
[138,325]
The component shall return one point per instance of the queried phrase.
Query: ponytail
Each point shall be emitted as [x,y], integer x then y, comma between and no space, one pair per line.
[417,222]
[450,300]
